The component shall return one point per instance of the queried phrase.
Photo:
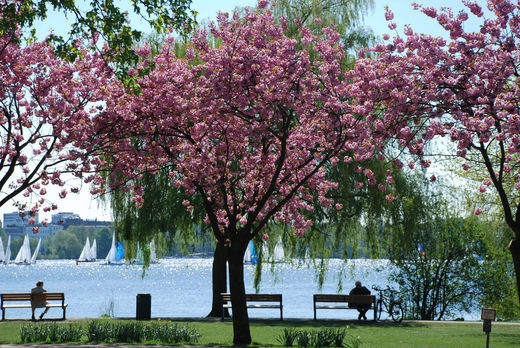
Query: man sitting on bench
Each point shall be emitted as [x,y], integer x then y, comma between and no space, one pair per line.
[362,308]
[37,303]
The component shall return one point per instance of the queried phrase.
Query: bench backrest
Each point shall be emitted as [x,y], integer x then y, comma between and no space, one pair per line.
[256,297]
[27,296]
[344,298]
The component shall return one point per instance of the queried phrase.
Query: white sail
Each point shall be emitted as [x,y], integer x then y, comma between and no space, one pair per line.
[247,254]
[8,251]
[93,251]
[153,254]
[111,256]
[85,253]
[279,254]
[2,253]
[36,251]
[24,254]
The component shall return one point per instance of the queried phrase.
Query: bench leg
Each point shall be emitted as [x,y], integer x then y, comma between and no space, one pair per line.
[315,311]
[64,312]
[281,313]
[3,313]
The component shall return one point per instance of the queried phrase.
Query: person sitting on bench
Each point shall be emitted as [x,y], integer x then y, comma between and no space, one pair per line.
[362,308]
[39,304]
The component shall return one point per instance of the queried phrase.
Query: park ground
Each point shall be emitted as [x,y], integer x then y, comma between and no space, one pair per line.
[417,334]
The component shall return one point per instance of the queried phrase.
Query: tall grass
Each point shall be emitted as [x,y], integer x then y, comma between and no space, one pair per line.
[101,331]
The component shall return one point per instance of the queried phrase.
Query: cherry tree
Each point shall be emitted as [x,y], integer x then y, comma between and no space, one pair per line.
[249,126]
[465,88]
[43,102]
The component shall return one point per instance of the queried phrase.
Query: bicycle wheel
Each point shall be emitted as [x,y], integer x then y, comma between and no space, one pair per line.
[396,312]
[379,306]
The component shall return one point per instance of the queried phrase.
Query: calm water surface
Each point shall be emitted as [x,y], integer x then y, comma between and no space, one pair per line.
[181,287]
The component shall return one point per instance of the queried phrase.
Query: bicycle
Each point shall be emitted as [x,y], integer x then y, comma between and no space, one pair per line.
[392,306]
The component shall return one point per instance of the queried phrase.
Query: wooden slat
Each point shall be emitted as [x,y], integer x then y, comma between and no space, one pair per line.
[361,299]
[226,299]
[29,297]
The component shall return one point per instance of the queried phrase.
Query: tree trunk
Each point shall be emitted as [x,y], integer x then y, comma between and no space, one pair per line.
[514,248]
[241,332]
[219,278]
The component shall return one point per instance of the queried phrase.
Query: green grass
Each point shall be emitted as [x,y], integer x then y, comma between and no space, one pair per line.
[381,334]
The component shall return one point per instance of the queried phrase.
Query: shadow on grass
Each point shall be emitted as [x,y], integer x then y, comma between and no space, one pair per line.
[332,323]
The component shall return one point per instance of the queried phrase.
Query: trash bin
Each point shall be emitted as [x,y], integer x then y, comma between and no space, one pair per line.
[144,302]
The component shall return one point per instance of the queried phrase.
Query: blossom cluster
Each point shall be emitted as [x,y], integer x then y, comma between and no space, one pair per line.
[249,125]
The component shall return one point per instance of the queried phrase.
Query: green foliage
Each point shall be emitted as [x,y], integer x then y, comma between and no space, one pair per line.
[162,217]
[103,18]
[53,333]
[496,278]
[128,332]
[65,245]
[172,333]
[367,334]
[287,337]
[327,337]
[98,331]
[442,279]
[345,15]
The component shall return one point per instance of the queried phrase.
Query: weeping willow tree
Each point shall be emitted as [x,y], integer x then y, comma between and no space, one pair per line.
[163,215]
[367,225]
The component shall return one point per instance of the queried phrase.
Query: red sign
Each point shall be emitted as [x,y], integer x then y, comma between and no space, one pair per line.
[488,314]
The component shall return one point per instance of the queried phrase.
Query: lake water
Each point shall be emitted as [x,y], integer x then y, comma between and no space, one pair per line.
[181,287]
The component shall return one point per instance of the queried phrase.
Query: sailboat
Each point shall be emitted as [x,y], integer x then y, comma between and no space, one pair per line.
[277,254]
[7,257]
[93,251]
[250,254]
[116,252]
[153,254]
[2,253]
[36,251]
[139,260]
[24,254]
[89,253]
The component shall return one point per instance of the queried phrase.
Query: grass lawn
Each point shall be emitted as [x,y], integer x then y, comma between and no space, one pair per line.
[369,334]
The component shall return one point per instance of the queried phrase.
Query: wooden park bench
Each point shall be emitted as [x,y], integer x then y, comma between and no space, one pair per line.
[272,298]
[350,302]
[27,297]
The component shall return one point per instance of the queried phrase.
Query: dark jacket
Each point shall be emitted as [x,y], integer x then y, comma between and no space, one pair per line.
[359,290]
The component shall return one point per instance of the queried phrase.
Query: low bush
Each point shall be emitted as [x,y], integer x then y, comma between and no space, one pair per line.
[287,337]
[97,331]
[315,338]
[53,333]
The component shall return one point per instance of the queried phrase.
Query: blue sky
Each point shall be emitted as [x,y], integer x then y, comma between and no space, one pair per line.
[403,13]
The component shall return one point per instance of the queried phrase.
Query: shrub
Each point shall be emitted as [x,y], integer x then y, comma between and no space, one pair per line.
[171,333]
[98,331]
[32,333]
[303,338]
[321,338]
[128,332]
[53,333]
[287,337]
